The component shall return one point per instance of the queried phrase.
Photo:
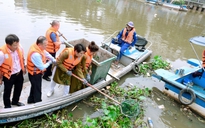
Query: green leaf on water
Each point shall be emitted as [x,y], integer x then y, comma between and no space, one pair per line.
[142,98]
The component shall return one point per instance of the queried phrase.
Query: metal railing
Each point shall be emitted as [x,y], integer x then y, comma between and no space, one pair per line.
[196,1]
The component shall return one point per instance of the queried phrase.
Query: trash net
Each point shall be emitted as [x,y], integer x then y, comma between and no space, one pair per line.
[130,108]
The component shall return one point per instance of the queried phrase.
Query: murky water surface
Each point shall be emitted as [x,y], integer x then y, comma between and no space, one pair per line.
[169,31]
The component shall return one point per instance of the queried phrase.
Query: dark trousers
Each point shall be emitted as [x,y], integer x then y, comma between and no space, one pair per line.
[48,70]
[35,91]
[16,80]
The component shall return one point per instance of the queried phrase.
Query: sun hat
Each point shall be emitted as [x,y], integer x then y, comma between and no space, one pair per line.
[131,24]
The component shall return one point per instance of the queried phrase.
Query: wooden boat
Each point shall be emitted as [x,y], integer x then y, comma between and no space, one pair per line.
[168,5]
[187,83]
[104,74]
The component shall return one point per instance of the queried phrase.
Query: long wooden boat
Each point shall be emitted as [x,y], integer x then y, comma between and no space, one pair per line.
[57,100]
[187,84]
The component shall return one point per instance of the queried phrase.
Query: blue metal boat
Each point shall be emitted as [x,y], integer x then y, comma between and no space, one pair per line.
[168,4]
[187,84]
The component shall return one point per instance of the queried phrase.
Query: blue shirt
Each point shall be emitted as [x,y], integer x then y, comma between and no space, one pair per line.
[53,37]
[119,36]
[36,58]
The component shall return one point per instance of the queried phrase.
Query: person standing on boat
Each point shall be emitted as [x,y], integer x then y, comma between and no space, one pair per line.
[53,45]
[126,38]
[36,65]
[203,59]
[12,69]
[86,67]
[66,62]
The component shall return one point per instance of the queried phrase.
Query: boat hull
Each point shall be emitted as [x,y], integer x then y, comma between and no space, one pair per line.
[195,107]
[176,82]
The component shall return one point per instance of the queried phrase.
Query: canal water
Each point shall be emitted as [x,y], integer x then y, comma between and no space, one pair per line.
[96,20]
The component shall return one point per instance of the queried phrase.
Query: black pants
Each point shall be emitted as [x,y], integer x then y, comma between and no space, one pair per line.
[35,91]
[48,70]
[16,80]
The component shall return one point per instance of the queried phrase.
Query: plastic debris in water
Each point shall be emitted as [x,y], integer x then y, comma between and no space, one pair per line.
[149,120]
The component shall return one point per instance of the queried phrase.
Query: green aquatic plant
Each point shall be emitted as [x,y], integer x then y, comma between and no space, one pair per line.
[111,115]
[156,63]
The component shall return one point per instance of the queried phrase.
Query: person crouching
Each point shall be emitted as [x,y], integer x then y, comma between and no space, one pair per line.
[66,62]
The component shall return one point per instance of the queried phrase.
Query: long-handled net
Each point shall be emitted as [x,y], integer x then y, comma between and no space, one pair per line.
[129,107]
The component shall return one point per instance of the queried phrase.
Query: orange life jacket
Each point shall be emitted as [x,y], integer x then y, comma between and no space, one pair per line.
[203,58]
[32,69]
[51,46]
[7,66]
[88,57]
[70,62]
[129,37]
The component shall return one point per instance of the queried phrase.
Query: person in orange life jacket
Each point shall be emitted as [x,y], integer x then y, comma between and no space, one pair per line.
[86,67]
[12,68]
[203,59]
[68,59]
[125,39]
[200,73]
[53,45]
[36,65]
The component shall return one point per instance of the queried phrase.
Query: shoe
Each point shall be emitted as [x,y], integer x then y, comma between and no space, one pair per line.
[50,93]
[7,107]
[67,94]
[46,78]
[28,102]
[18,104]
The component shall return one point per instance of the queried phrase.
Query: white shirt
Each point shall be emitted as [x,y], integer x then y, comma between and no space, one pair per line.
[15,60]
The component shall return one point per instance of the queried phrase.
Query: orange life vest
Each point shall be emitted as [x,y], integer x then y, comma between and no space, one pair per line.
[70,62]
[203,58]
[32,69]
[51,46]
[129,37]
[88,57]
[7,66]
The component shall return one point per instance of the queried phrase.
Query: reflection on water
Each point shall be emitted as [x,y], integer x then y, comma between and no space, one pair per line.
[169,30]
[170,113]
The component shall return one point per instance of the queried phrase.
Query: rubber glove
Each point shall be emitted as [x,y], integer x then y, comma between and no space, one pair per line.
[54,62]
[85,81]
[88,77]
[69,73]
